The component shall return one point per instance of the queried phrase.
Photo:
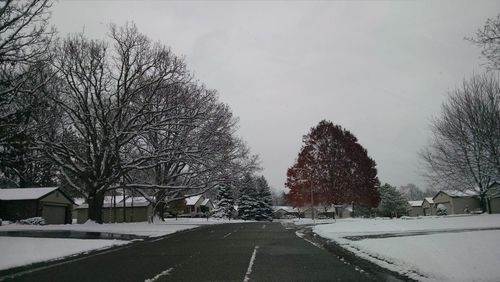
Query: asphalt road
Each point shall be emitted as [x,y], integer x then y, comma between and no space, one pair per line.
[228,252]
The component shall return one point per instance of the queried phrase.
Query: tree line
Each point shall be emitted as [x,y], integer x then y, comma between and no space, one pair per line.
[121,113]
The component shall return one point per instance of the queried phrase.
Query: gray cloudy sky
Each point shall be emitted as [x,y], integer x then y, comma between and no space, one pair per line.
[380,69]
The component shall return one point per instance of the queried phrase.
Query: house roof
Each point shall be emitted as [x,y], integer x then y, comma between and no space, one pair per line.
[429,200]
[191,201]
[12,194]
[415,203]
[118,205]
[458,193]
[285,208]
[205,202]
[79,201]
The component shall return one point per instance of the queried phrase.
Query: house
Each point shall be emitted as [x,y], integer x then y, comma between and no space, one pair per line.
[137,209]
[198,206]
[429,207]
[343,211]
[457,202]
[47,202]
[308,214]
[495,204]
[285,211]
[415,208]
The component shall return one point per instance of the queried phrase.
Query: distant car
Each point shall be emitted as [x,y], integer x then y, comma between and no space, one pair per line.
[322,216]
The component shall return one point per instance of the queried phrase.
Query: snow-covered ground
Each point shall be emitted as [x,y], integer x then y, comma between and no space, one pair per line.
[437,256]
[137,228]
[18,251]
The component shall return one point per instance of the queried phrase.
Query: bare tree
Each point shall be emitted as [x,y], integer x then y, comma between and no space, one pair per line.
[464,152]
[488,38]
[24,40]
[105,93]
[133,119]
[195,152]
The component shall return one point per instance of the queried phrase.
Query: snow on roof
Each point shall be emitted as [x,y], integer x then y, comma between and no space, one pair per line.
[205,202]
[118,205]
[79,201]
[109,199]
[415,203]
[429,200]
[134,199]
[191,201]
[285,208]
[25,193]
[458,193]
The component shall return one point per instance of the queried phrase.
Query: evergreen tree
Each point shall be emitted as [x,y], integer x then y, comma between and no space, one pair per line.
[392,203]
[248,203]
[265,200]
[225,202]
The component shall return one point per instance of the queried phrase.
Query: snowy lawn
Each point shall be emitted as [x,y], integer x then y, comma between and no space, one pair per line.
[17,251]
[454,256]
[137,228]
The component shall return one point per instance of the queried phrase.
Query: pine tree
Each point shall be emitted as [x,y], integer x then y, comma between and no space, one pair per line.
[225,202]
[392,202]
[265,200]
[248,203]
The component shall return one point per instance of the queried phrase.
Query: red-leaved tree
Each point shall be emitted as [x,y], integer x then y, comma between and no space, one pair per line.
[334,168]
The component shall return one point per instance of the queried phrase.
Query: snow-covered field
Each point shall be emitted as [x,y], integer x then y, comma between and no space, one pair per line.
[18,251]
[458,255]
[137,228]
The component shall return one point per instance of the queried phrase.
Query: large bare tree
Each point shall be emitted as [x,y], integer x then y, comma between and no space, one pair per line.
[106,91]
[25,37]
[134,118]
[464,152]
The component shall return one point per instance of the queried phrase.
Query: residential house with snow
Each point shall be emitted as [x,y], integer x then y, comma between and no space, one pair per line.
[457,202]
[197,206]
[285,211]
[308,211]
[51,203]
[415,208]
[428,206]
[137,209]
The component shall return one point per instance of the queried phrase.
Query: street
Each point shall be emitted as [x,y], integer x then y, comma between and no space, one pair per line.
[227,252]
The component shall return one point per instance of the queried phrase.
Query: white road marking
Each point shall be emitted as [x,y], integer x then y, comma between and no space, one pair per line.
[163,273]
[263,226]
[250,265]
[225,236]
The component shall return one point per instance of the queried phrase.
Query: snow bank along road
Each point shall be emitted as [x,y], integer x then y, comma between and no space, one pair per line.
[227,252]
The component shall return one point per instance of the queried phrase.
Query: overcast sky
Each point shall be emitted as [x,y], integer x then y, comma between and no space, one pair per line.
[380,69]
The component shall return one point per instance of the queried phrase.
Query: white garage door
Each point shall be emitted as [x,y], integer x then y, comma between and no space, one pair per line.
[54,214]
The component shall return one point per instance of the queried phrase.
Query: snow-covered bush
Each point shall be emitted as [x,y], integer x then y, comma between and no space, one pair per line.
[33,221]
[441,210]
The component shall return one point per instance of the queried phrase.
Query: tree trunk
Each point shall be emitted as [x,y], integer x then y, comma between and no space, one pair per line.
[95,207]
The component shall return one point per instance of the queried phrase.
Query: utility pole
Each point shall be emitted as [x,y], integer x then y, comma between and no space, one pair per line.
[312,199]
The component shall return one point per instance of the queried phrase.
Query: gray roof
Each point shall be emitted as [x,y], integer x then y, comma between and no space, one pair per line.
[12,194]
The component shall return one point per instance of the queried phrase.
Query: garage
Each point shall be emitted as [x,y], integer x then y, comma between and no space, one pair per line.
[54,214]
[51,203]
